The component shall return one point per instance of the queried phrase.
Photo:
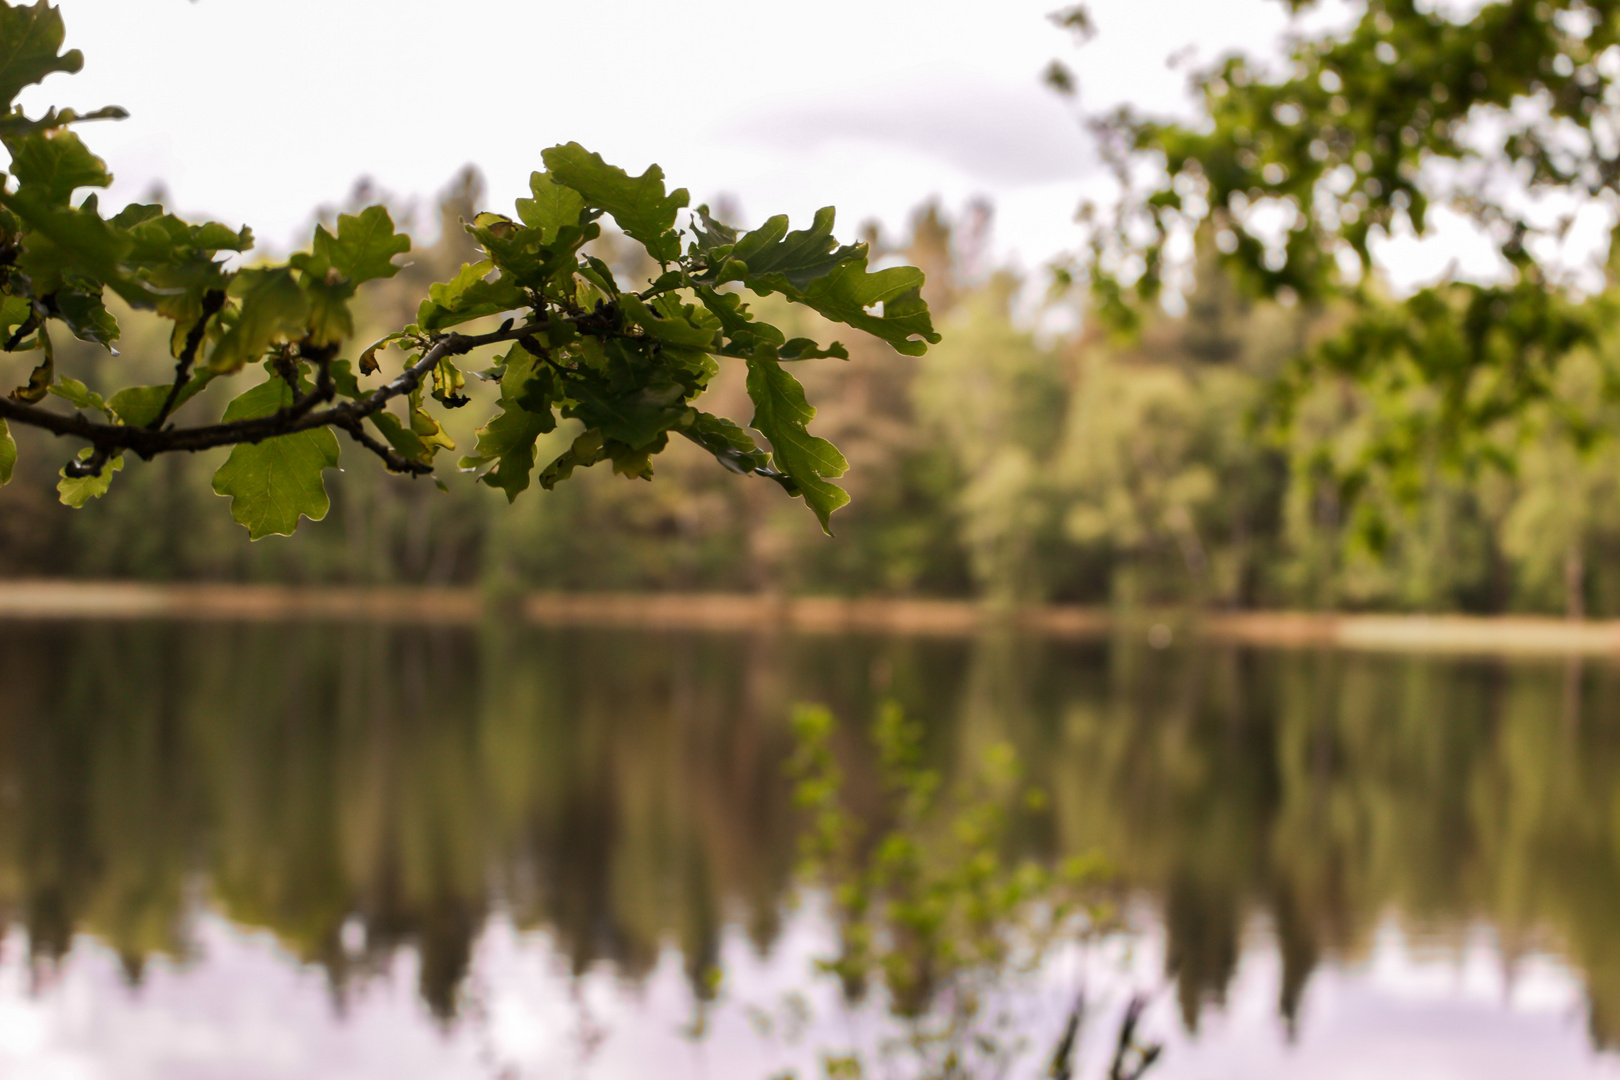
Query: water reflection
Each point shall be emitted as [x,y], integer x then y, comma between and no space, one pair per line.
[358,790]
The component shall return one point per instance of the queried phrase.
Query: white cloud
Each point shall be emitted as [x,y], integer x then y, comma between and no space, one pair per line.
[257,111]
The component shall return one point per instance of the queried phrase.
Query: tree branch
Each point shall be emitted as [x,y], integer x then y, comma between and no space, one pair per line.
[394,461]
[300,415]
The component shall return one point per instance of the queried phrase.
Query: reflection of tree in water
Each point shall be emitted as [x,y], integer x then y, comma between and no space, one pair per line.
[1324,792]
[625,790]
[411,780]
[939,915]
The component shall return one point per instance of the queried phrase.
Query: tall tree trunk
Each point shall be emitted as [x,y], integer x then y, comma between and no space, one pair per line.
[1192,552]
[1575,582]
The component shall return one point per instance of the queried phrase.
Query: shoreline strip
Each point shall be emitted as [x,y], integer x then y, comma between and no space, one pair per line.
[71,600]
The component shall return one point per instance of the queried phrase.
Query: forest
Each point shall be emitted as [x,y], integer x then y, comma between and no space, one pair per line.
[1019,461]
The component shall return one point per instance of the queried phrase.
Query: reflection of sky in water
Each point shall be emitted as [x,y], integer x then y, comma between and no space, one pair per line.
[1405,1011]
[243,1008]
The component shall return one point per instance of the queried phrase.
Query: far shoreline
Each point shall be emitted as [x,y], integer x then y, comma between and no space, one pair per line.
[58,600]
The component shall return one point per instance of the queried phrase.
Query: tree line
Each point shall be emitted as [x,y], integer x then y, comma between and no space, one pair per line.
[1008,463]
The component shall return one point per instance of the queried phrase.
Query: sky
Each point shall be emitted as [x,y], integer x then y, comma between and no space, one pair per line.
[260,111]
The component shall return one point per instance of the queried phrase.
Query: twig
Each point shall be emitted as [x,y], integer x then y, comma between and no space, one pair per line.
[394,461]
[90,466]
[213,300]
[23,331]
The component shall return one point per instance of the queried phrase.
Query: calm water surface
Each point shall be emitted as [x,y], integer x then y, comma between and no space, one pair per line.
[341,851]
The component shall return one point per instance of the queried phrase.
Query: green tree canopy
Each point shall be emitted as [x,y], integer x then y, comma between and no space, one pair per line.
[624,360]
[1501,115]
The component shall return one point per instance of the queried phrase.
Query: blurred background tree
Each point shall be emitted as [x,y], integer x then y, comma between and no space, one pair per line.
[1447,449]
[1492,126]
[1010,463]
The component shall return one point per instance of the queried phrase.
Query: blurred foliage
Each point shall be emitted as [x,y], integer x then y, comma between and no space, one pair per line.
[1007,464]
[1278,430]
[933,914]
[1494,122]
[1011,464]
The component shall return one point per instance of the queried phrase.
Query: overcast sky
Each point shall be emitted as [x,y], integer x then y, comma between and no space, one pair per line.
[257,111]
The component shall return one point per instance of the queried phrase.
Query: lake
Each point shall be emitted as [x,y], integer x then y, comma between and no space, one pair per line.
[339,850]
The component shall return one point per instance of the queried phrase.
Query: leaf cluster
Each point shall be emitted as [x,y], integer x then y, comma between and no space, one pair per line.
[625,360]
[1295,172]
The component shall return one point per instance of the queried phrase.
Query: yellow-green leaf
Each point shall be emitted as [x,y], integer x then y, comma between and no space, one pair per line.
[8,454]
[273,308]
[75,491]
[273,483]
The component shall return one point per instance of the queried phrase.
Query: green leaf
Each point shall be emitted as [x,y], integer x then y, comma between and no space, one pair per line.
[75,491]
[634,463]
[138,406]
[804,349]
[30,39]
[781,414]
[16,125]
[682,328]
[273,308]
[522,256]
[600,274]
[211,236]
[553,206]
[713,235]
[273,483]
[636,417]
[55,164]
[748,336]
[527,381]
[163,238]
[733,447]
[364,247]
[81,396]
[586,451]
[174,261]
[448,384]
[637,203]
[86,316]
[468,296]
[402,438]
[329,321]
[509,438]
[790,262]
[426,428]
[846,293]
[262,400]
[14,311]
[75,241]
[744,333]
[808,267]
[8,453]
